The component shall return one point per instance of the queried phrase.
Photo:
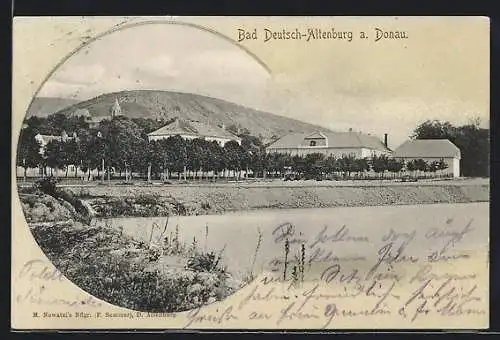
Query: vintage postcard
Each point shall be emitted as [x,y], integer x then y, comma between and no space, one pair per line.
[250,173]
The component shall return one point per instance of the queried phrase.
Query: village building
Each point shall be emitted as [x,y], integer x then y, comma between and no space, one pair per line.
[114,111]
[192,130]
[337,144]
[82,113]
[93,122]
[45,139]
[431,150]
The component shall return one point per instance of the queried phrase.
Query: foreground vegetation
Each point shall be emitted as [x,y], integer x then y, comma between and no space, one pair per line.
[127,273]
[120,270]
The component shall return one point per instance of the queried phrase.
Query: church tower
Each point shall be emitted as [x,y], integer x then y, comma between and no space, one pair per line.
[116,110]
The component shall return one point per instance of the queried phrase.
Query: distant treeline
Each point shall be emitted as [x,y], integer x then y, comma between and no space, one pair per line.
[122,146]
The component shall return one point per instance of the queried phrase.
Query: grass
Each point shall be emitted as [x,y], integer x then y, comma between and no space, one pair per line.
[147,199]
[128,273]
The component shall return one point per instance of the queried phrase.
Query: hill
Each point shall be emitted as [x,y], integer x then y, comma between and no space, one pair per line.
[44,106]
[167,105]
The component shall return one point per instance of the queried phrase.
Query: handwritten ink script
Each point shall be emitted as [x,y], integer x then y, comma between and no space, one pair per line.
[405,277]
[408,277]
[41,275]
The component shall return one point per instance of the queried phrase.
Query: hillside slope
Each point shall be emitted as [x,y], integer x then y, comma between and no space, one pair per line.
[167,105]
[44,106]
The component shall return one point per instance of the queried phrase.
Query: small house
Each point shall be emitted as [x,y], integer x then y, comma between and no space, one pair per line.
[431,150]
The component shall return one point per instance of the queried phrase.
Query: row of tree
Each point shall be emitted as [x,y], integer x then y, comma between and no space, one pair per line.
[122,146]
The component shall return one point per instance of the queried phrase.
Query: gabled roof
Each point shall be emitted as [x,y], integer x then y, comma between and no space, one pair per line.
[81,112]
[316,135]
[335,140]
[48,138]
[98,119]
[433,148]
[192,128]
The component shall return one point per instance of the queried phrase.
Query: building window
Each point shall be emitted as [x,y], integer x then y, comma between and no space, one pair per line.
[312,143]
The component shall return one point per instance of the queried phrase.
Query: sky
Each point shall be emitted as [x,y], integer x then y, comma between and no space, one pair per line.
[163,57]
[440,72]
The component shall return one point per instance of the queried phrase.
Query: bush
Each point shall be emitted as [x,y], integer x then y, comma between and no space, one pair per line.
[47,185]
[119,207]
[50,205]
[154,255]
[30,200]
[27,190]
[205,205]
[84,193]
[150,199]
[180,208]
[205,262]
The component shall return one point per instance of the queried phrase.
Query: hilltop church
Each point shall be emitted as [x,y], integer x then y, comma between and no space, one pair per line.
[114,111]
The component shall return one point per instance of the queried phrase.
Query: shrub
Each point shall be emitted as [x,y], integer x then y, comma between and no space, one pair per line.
[205,205]
[150,199]
[180,208]
[84,193]
[205,262]
[27,190]
[117,207]
[50,205]
[154,254]
[30,200]
[47,185]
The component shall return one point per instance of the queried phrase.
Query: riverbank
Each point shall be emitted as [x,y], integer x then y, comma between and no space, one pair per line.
[176,264]
[146,201]
[165,277]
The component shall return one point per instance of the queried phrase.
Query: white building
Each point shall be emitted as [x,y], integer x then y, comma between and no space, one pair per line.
[431,150]
[337,144]
[193,130]
[45,139]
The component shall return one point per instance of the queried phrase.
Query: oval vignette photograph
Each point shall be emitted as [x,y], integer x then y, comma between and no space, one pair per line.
[110,144]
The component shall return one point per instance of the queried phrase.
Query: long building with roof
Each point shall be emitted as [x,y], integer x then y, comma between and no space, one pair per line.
[337,144]
[431,150]
[192,130]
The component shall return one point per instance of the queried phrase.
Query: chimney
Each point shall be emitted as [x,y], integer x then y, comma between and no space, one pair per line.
[385,139]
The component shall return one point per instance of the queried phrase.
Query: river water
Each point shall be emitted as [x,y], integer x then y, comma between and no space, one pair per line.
[346,232]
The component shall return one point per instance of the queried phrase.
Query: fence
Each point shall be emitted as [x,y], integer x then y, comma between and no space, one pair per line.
[232,175]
